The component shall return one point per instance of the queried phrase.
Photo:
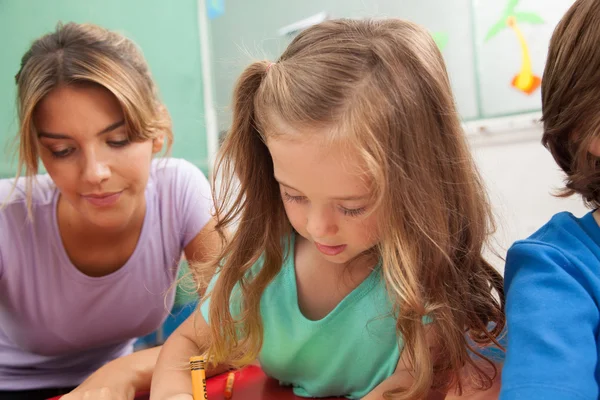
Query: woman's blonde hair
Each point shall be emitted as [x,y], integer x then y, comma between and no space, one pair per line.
[86,54]
[383,85]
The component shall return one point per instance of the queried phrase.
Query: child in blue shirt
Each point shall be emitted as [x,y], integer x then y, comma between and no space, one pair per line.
[552,279]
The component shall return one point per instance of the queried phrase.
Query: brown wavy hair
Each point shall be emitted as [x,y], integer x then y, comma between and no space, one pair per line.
[384,85]
[86,54]
[571,99]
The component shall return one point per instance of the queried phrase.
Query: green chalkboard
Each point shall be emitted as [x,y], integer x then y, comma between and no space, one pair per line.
[167,32]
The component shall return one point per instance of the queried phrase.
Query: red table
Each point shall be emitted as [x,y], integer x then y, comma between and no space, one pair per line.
[251,383]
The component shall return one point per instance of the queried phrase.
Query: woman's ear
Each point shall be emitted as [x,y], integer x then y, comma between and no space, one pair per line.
[157,143]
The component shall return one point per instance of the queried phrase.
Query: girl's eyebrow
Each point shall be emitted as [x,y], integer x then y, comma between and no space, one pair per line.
[348,198]
[285,184]
[342,198]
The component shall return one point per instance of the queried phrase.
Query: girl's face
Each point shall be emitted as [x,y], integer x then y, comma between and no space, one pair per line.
[83,144]
[326,196]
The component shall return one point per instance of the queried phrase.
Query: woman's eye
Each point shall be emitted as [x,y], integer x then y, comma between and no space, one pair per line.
[119,143]
[62,153]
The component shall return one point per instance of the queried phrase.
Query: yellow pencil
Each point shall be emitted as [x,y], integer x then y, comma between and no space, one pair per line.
[229,385]
[197,365]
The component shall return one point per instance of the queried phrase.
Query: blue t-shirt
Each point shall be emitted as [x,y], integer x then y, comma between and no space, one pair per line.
[346,353]
[552,284]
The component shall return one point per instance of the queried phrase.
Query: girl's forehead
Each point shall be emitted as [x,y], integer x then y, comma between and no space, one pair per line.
[314,166]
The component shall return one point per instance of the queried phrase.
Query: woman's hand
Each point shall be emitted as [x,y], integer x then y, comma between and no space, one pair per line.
[119,379]
[113,392]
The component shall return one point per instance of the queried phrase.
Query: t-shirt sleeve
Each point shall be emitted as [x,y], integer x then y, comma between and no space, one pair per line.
[5,190]
[1,260]
[192,194]
[552,350]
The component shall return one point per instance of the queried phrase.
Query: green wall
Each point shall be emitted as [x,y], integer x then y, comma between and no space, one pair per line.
[167,32]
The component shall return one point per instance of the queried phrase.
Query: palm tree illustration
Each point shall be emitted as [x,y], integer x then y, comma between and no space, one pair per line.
[525,80]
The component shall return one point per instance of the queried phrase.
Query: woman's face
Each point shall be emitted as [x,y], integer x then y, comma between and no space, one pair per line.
[84,146]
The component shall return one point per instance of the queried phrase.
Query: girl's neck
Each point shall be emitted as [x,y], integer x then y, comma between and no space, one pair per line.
[353,271]
[320,284]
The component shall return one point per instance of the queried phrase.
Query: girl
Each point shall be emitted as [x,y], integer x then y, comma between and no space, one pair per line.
[356,267]
[88,251]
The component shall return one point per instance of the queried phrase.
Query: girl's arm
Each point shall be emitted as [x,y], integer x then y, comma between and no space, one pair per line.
[403,377]
[172,377]
[470,391]
[492,393]
[172,373]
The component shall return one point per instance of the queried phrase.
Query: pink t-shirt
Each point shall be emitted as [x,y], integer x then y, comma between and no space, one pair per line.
[58,325]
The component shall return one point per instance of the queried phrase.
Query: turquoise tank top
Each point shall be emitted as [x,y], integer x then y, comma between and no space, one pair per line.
[347,353]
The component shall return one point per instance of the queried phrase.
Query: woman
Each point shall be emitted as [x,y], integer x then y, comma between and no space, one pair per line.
[89,252]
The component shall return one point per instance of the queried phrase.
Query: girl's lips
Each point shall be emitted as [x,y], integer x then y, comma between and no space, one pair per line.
[330,250]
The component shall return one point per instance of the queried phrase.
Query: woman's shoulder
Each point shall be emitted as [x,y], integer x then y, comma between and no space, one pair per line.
[179,182]
[16,228]
[181,194]
[13,191]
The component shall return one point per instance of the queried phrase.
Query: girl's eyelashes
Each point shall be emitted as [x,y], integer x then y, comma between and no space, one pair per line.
[349,212]
[293,199]
[353,212]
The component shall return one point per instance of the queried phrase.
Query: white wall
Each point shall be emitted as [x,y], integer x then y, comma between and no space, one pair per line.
[521,176]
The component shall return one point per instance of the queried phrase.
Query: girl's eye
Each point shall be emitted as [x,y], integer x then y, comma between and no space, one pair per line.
[352,212]
[293,199]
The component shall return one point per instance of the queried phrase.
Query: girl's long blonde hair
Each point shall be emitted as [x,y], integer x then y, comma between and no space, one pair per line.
[86,54]
[383,84]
